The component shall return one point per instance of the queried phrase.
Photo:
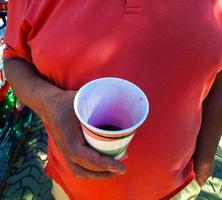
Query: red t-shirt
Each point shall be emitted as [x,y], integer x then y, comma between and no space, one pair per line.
[171,49]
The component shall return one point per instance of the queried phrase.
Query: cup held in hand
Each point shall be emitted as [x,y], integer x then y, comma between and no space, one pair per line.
[110,110]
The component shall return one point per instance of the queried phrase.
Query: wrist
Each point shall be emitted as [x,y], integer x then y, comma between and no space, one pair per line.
[46,101]
[58,104]
[203,170]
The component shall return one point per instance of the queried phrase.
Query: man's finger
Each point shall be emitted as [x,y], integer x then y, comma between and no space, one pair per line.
[94,161]
[82,173]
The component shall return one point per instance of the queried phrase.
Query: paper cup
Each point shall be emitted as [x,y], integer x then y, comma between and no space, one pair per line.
[110,110]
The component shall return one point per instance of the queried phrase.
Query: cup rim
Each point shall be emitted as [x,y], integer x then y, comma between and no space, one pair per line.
[133,128]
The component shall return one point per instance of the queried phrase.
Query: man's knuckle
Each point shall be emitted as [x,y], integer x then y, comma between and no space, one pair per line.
[76,155]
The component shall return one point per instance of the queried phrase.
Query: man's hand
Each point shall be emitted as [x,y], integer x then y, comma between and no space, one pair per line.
[203,172]
[81,159]
[55,107]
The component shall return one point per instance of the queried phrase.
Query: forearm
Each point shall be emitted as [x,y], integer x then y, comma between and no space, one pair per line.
[210,131]
[29,86]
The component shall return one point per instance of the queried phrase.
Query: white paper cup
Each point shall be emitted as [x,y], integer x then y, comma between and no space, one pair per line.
[107,103]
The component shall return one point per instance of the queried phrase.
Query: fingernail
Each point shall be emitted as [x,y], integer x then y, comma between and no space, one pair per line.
[117,170]
[120,169]
[122,172]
